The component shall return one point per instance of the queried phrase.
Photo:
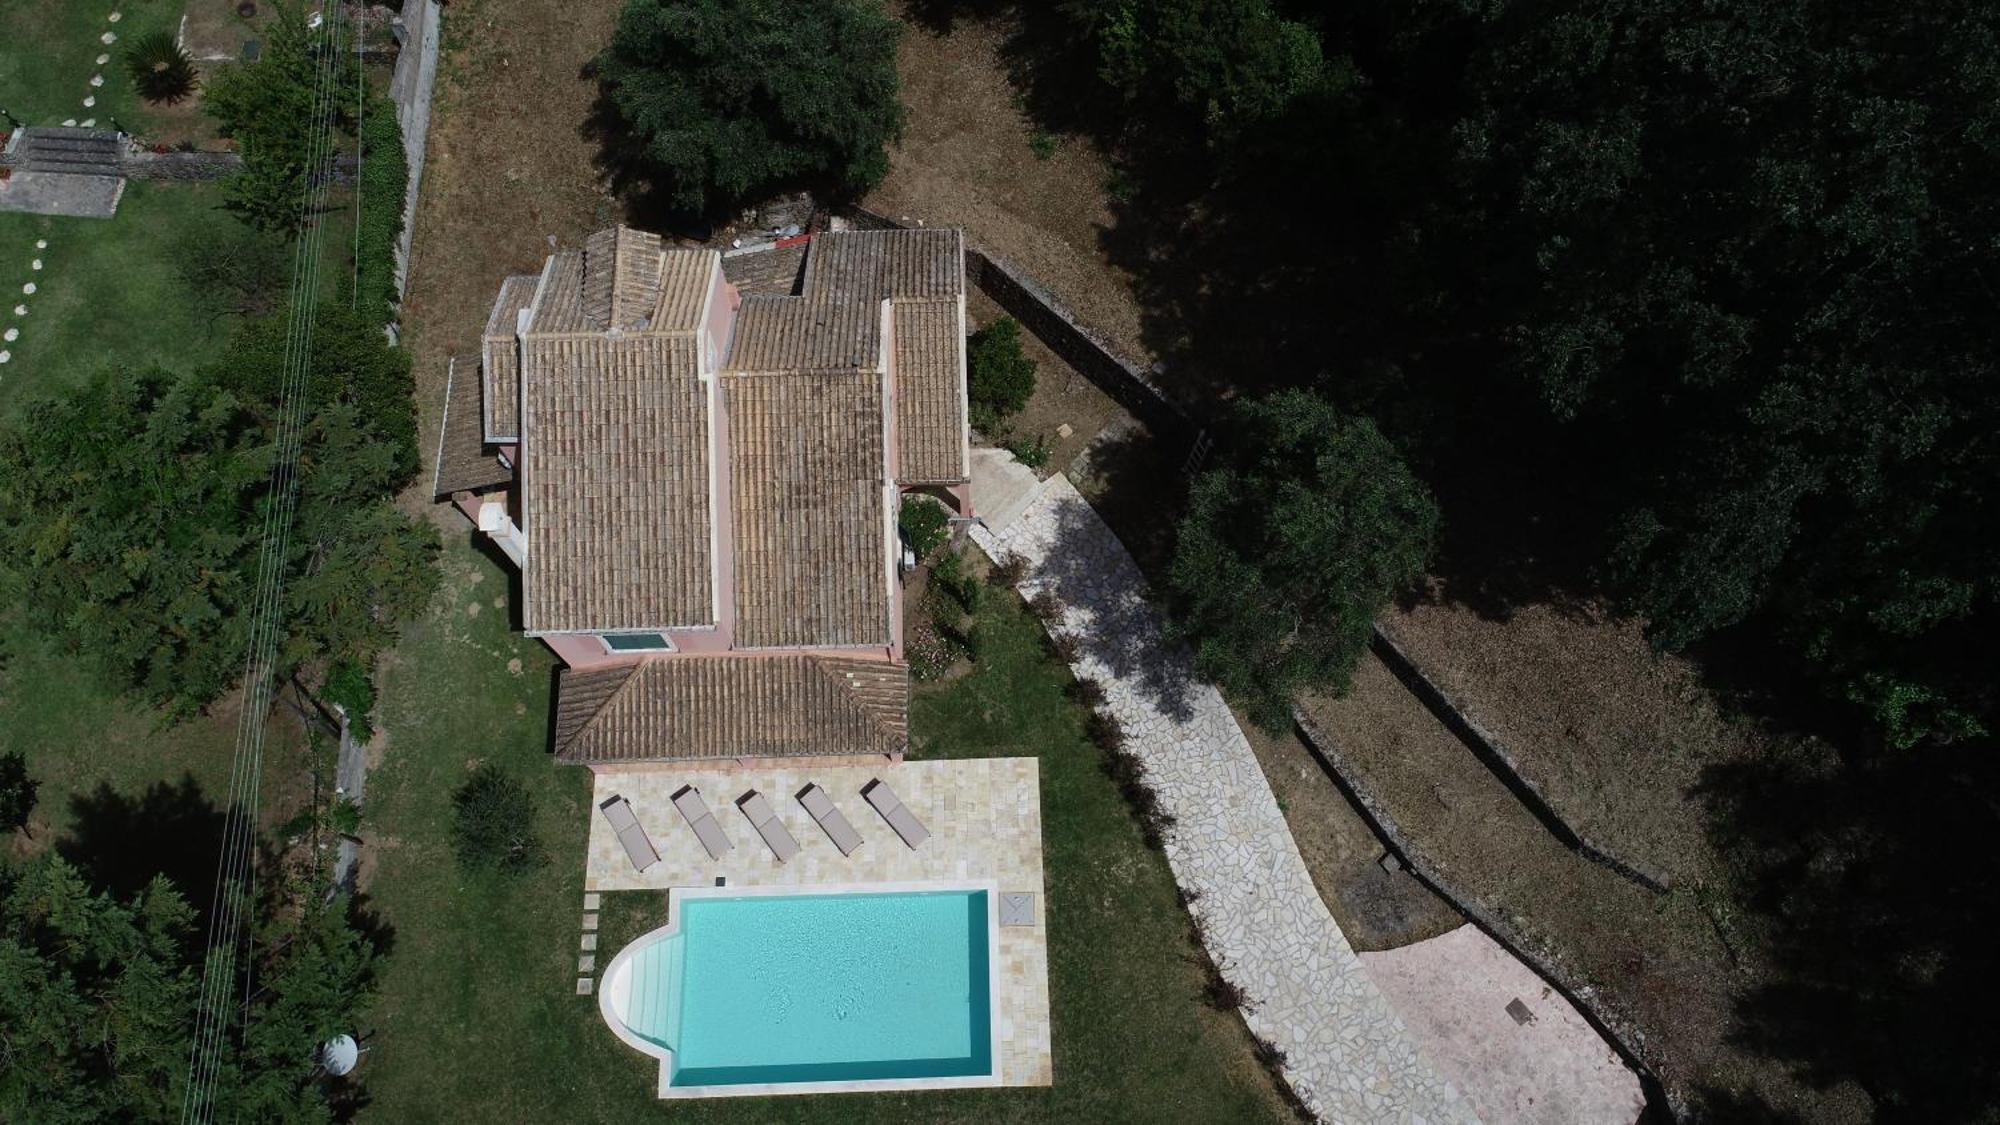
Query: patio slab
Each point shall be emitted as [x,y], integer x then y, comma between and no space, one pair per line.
[985,818]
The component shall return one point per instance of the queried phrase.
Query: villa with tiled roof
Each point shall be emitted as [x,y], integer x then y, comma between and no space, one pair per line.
[700,485]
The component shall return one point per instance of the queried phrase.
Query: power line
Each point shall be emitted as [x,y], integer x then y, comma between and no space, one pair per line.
[235,888]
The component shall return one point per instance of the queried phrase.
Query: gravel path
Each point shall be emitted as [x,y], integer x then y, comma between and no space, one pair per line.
[1348,1056]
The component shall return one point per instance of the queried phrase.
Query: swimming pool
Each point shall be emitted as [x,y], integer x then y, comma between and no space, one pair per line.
[811,989]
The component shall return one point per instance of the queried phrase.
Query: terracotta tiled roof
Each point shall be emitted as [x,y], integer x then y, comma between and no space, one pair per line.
[732,706]
[773,271]
[500,358]
[929,338]
[810,529]
[874,265]
[795,334]
[464,462]
[616,468]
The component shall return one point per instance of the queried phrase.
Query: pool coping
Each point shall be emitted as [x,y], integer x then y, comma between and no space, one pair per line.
[677,895]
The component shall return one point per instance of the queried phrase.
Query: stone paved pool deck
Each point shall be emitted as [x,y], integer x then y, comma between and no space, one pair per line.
[1347,1054]
[985,819]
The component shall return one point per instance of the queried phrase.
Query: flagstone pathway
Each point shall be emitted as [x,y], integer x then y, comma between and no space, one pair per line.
[1347,1054]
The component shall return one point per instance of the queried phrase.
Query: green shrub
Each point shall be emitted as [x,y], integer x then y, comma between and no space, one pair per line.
[493,823]
[160,70]
[999,376]
[385,175]
[1032,452]
[925,524]
[347,684]
[344,816]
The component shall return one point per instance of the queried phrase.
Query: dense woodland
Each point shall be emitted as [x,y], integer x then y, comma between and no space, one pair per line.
[1687,305]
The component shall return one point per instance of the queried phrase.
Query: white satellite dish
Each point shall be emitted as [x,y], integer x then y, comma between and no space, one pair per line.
[339,1054]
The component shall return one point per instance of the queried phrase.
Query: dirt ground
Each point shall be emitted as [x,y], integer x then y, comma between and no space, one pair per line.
[965,161]
[507,170]
[1615,736]
[1659,960]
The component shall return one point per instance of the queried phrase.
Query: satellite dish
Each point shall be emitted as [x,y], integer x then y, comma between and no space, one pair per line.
[339,1054]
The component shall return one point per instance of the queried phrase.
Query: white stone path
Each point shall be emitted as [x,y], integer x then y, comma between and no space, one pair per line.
[1347,1055]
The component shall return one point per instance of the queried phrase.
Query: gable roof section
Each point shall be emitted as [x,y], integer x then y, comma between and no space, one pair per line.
[797,334]
[464,463]
[725,707]
[810,532]
[874,265]
[929,340]
[616,473]
[621,277]
[500,359]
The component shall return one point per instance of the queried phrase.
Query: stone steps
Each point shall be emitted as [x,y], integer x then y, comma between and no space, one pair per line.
[86,152]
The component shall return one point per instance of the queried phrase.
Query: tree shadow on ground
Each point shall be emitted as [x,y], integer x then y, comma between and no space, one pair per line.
[1874,886]
[121,842]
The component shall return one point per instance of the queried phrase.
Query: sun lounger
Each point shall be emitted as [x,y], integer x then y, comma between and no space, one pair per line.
[765,820]
[638,848]
[830,818]
[893,810]
[692,807]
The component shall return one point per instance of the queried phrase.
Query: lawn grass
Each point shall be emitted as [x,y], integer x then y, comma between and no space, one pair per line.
[48,53]
[477,1019]
[107,294]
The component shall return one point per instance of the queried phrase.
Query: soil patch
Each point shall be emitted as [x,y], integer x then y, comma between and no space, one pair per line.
[966,160]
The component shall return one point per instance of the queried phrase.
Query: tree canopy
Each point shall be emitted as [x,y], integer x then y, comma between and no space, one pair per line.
[1682,303]
[266,107]
[98,998]
[130,511]
[1287,553]
[722,101]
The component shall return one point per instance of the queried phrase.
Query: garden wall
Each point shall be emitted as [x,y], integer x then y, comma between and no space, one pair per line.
[1613,1026]
[1493,754]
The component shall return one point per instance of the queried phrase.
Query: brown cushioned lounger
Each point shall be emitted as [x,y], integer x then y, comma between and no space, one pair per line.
[893,810]
[830,818]
[689,801]
[765,820]
[638,847]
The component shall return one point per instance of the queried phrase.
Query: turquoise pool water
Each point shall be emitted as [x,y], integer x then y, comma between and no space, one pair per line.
[819,988]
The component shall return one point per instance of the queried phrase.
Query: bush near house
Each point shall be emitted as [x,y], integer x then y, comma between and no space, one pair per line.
[719,102]
[493,823]
[999,376]
[160,70]
[925,524]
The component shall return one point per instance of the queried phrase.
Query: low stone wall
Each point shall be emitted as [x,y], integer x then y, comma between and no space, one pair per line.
[1624,1037]
[1495,757]
[417,29]
[180,166]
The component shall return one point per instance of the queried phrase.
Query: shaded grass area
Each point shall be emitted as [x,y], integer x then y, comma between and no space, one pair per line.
[124,793]
[108,294]
[478,1017]
[48,52]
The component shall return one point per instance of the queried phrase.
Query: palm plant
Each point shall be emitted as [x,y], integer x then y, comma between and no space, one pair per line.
[160,70]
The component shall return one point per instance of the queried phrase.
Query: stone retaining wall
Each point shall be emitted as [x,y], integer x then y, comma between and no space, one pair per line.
[1621,1033]
[1503,765]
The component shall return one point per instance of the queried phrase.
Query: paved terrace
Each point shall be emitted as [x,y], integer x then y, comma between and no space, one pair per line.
[1347,1054]
[985,818]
